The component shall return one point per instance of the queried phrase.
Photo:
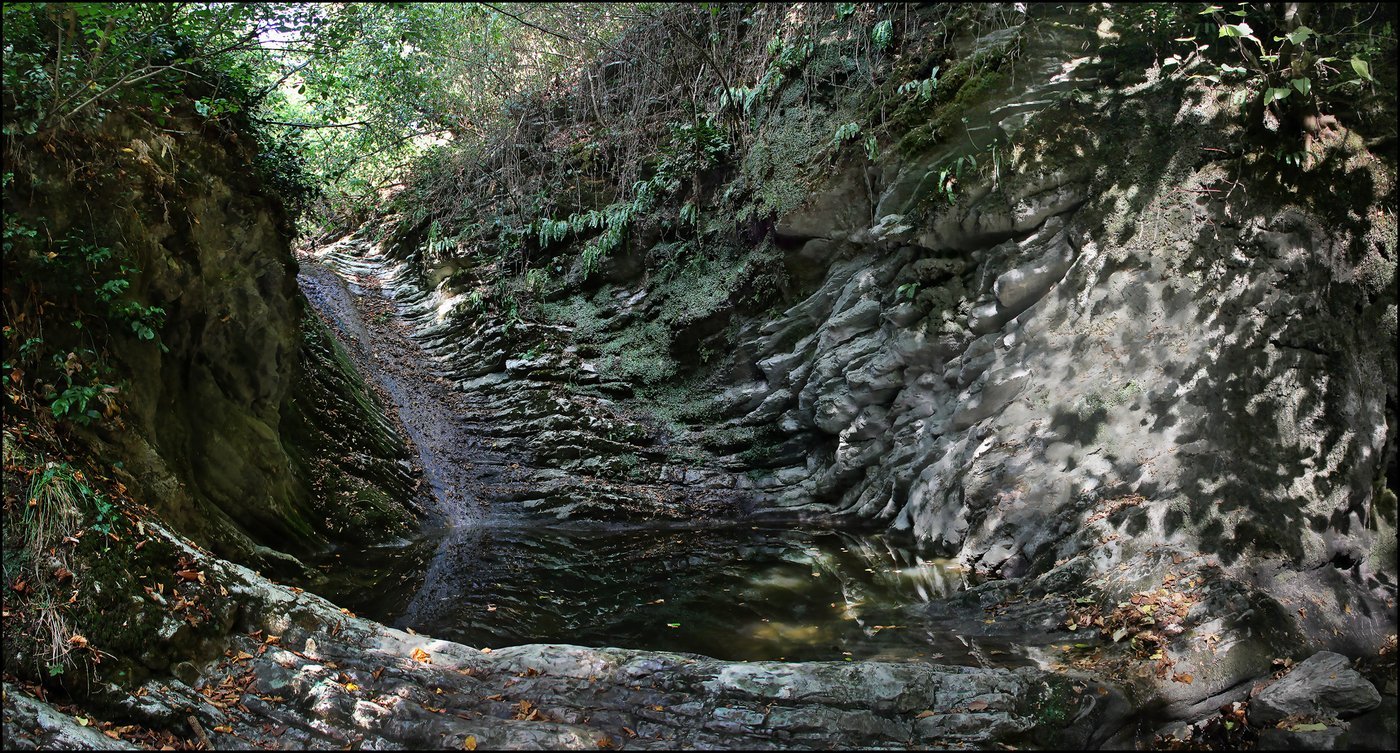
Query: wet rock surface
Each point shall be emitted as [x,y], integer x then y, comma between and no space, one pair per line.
[299,672]
[511,443]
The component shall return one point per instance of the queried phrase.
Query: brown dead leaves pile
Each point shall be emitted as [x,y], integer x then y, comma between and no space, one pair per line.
[1148,620]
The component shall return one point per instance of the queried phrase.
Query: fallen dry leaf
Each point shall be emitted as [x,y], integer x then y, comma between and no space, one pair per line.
[420,655]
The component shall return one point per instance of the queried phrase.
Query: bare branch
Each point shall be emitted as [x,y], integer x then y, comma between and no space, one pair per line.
[532,26]
[312,125]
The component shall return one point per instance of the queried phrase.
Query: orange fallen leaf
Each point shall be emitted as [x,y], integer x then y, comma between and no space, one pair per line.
[977,706]
[1183,677]
[469,743]
[79,641]
[923,714]
[420,655]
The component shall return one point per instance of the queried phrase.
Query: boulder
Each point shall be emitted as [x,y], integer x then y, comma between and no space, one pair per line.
[1324,685]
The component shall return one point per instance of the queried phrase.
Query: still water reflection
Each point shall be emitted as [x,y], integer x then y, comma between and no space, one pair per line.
[745,594]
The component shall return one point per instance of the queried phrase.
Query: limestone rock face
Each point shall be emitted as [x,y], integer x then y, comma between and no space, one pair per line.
[31,724]
[1082,358]
[990,370]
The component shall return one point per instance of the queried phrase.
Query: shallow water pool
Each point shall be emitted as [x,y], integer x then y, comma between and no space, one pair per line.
[736,594]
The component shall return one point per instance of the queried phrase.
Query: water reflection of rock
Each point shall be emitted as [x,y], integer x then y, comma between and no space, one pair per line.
[744,594]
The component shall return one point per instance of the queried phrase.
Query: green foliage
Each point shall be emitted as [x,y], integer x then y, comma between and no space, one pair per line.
[872,148]
[67,370]
[73,402]
[692,149]
[849,132]
[777,165]
[951,174]
[881,34]
[96,276]
[845,133]
[921,90]
[1290,62]
[79,60]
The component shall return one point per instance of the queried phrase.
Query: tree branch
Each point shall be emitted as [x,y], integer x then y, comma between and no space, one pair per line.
[311,125]
[532,26]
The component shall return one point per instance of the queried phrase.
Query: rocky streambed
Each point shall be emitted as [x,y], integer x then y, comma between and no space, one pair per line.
[297,670]
[300,672]
[498,572]
[913,652]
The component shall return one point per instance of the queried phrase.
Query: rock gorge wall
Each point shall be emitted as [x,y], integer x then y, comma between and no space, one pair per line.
[244,423]
[1135,334]
[1134,356]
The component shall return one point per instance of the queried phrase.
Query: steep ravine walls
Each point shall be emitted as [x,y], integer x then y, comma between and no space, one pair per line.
[1104,319]
[244,424]
[1136,353]
[1141,376]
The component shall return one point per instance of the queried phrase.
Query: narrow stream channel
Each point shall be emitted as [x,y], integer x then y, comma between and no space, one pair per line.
[490,578]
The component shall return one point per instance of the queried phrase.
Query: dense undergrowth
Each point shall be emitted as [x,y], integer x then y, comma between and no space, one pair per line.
[672,164]
[677,172]
[675,176]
